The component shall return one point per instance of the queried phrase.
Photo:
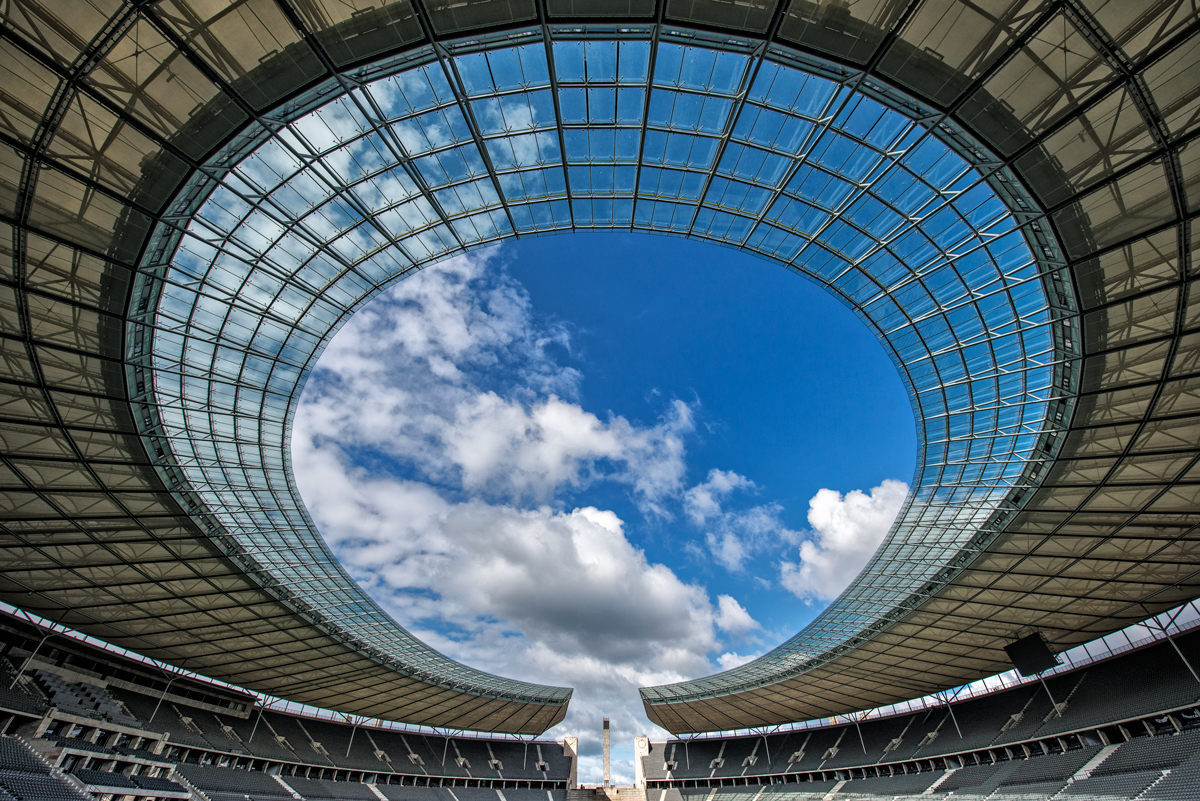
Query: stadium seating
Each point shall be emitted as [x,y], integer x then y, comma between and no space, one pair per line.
[1181,784]
[1050,768]
[342,791]
[258,737]
[37,787]
[104,778]
[1169,765]
[15,756]
[168,717]
[1001,726]
[910,784]
[414,793]
[60,693]
[156,783]
[1012,747]
[81,698]
[1147,753]
[19,701]
[1006,746]
[1117,785]
[972,777]
[534,795]
[25,777]
[15,698]
[231,781]
[81,744]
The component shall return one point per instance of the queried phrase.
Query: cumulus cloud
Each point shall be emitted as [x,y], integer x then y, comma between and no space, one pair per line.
[449,376]
[846,531]
[703,501]
[732,616]
[554,596]
[437,445]
[733,536]
[730,660]
[441,448]
[513,448]
[570,580]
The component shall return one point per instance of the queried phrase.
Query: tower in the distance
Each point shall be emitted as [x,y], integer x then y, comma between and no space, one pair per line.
[607,773]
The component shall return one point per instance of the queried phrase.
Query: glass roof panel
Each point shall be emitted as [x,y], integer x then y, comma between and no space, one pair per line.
[317,216]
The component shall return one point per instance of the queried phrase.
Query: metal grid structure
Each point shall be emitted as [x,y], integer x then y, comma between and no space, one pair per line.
[198,198]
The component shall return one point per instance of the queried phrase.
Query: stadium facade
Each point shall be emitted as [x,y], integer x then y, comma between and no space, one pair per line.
[195,196]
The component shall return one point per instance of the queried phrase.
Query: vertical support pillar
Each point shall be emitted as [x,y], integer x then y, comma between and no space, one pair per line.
[1053,703]
[570,747]
[953,717]
[29,659]
[1167,633]
[262,708]
[607,770]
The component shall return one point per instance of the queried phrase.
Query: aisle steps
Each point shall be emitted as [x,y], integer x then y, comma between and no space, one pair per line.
[1086,771]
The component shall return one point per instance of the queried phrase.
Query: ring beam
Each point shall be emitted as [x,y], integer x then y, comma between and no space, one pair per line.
[167,287]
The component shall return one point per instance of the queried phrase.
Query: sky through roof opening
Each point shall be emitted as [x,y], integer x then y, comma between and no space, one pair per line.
[604,460]
[318,214]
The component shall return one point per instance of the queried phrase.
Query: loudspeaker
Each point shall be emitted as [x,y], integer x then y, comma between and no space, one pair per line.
[1031,655]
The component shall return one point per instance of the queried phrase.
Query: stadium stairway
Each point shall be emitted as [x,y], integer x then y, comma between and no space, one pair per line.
[26,776]
[931,789]
[195,792]
[1090,767]
[291,790]
[624,792]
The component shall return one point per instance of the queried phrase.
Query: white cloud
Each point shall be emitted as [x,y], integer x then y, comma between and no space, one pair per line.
[727,548]
[449,375]
[522,450]
[571,581]
[730,660]
[560,597]
[732,537]
[436,446]
[732,616]
[439,445]
[846,531]
[703,501]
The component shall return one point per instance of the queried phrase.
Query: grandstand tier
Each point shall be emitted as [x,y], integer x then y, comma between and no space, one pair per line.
[1126,727]
[1115,736]
[96,723]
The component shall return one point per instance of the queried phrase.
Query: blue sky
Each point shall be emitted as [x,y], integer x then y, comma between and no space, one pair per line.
[788,388]
[603,461]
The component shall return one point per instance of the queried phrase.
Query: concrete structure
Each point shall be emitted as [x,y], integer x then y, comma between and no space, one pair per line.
[607,764]
[110,721]
[641,750]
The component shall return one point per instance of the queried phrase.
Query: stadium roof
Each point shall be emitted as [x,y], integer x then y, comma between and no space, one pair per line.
[196,196]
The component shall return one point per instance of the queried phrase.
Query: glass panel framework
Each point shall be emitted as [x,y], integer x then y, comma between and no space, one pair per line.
[1057,483]
[312,218]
